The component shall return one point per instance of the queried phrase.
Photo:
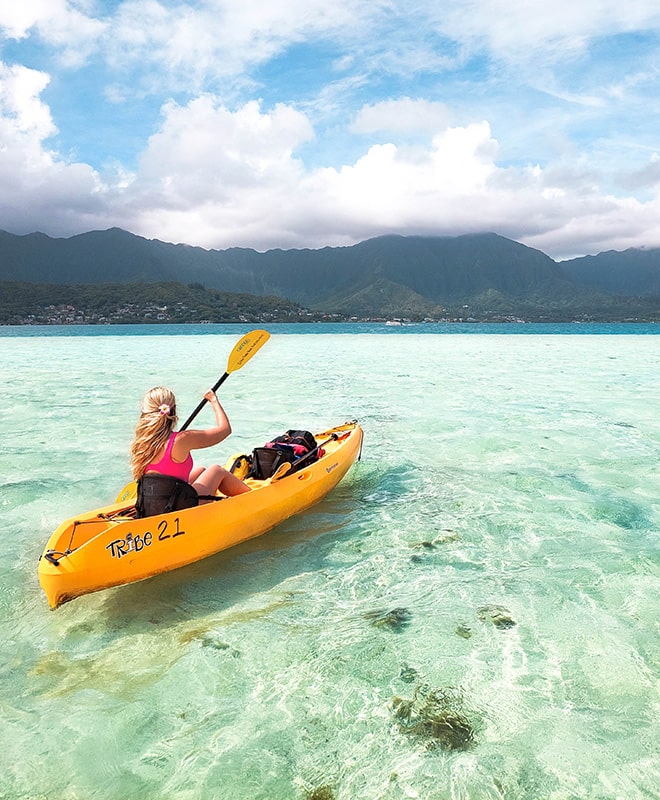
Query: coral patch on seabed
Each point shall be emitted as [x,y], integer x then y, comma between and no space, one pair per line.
[395,620]
[209,638]
[436,716]
[429,545]
[464,631]
[499,616]
[408,674]
[320,793]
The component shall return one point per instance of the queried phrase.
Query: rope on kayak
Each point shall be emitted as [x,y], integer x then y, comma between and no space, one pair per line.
[118,516]
[70,548]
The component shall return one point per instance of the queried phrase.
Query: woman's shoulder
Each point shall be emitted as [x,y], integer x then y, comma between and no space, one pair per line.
[188,434]
[197,438]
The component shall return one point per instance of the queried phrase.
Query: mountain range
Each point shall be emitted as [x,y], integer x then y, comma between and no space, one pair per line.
[483,276]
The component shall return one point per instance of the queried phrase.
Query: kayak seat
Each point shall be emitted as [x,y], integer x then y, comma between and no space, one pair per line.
[161,494]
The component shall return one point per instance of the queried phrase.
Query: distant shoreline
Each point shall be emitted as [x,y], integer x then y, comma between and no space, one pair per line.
[335,328]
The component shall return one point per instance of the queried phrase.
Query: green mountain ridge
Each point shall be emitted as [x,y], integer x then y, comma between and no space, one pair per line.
[631,272]
[480,275]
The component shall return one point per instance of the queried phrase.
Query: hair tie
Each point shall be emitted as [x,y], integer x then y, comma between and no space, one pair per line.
[165,410]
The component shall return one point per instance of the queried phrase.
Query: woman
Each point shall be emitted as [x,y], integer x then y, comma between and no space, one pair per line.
[158,448]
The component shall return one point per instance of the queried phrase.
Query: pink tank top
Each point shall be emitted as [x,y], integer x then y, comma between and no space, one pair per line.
[166,466]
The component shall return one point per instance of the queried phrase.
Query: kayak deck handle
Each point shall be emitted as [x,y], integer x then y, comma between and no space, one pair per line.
[50,556]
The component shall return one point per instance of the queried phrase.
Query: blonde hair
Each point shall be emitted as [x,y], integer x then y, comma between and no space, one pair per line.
[157,421]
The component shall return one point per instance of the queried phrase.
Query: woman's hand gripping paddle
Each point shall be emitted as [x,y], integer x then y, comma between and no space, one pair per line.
[239,356]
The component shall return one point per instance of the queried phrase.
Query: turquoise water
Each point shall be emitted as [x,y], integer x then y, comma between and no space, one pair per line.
[341,328]
[473,613]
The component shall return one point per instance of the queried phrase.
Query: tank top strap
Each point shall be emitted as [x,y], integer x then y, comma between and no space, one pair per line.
[170,445]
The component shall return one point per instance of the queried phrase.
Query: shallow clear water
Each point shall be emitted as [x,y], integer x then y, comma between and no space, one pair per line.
[506,510]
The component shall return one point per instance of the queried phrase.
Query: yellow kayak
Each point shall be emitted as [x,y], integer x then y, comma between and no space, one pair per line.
[109,547]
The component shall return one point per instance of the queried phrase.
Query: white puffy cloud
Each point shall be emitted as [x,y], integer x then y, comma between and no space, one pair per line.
[222,169]
[394,186]
[37,189]
[21,110]
[220,178]
[206,142]
[211,175]
[16,19]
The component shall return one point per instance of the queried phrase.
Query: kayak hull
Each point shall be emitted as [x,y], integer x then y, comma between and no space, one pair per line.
[108,547]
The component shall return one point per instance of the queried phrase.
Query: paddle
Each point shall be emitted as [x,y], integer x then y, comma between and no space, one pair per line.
[239,356]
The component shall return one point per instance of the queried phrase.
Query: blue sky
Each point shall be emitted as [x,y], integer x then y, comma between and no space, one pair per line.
[302,123]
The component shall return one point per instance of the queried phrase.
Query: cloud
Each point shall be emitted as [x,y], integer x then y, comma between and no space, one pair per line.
[16,19]
[217,175]
[197,42]
[646,177]
[529,30]
[61,23]
[502,125]
[205,39]
[204,145]
[22,113]
[401,116]
[422,190]
[220,178]
[607,223]
[37,188]
[224,178]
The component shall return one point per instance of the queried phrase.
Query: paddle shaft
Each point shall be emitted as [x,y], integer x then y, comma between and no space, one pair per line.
[203,402]
[240,355]
[333,438]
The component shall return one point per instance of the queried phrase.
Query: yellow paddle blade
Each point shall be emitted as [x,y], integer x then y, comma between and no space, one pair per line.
[240,355]
[246,348]
[129,492]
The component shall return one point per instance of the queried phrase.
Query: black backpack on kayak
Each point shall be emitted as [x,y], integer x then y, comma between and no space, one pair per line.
[297,439]
[291,447]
